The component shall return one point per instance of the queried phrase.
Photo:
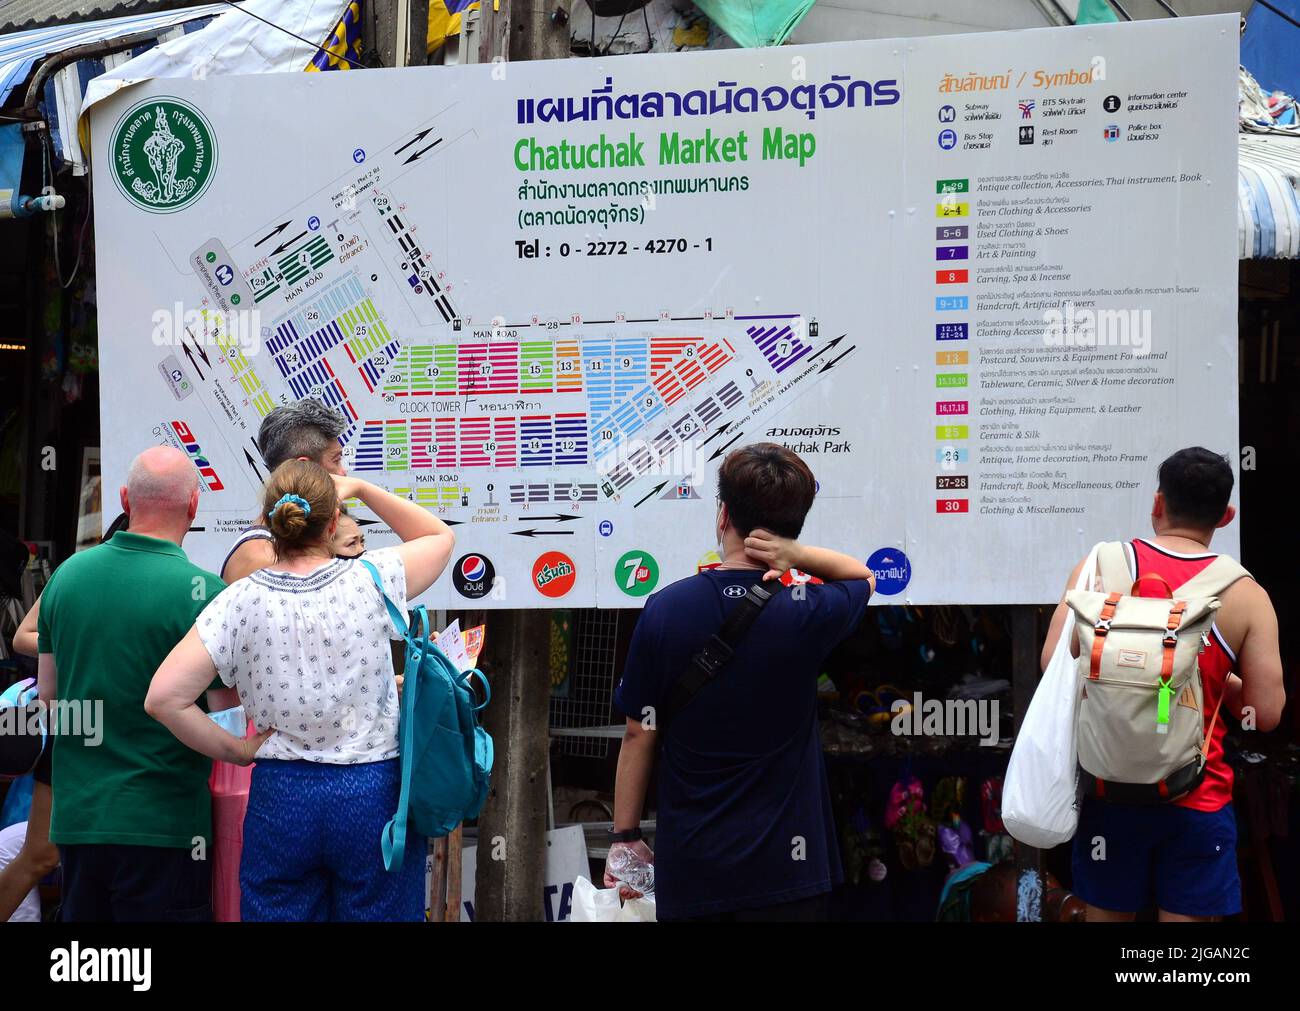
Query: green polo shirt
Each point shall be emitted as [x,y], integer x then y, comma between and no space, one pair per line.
[110,615]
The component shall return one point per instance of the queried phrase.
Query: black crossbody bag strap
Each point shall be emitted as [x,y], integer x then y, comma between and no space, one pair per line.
[717,652]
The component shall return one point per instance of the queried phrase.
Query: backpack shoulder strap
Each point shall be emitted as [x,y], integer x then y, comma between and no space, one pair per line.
[1113,567]
[399,622]
[1214,579]
[717,652]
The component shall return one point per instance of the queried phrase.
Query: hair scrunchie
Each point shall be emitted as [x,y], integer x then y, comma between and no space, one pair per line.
[297,500]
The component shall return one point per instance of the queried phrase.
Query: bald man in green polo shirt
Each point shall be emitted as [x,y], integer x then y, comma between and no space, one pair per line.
[132,815]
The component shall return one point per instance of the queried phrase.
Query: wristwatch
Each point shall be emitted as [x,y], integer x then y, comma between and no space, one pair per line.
[627,835]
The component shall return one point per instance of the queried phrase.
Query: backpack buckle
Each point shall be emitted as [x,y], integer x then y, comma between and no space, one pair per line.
[1102,626]
[1171,641]
[714,656]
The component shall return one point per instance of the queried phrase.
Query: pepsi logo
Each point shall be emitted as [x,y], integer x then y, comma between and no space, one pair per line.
[473,576]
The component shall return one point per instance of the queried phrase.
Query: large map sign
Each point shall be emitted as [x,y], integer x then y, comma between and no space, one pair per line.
[982,284]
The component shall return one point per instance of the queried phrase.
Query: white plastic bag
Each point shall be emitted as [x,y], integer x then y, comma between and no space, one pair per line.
[602,905]
[1039,795]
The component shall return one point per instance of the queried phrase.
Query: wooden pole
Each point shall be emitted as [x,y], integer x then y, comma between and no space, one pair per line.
[453,846]
[438,888]
[509,871]
[401,32]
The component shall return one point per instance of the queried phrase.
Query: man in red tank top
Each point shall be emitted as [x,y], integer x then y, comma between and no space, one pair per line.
[1181,857]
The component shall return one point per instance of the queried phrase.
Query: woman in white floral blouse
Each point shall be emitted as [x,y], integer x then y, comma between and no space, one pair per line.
[305,643]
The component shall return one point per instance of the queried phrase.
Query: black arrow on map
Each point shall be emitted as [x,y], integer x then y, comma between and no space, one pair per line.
[272,233]
[191,353]
[285,245]
[197,530]
[416,156]
[653,492]
[542,533]
[722,449]
[249,457]
[831,364]
[827,347]
[720,431]
[415,140]
[558,518]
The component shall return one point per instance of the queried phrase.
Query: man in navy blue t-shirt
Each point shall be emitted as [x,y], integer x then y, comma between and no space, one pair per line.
[744,826]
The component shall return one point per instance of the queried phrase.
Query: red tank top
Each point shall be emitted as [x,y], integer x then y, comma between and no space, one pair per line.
[1217,662]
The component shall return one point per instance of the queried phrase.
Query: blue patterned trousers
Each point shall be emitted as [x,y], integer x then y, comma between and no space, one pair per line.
[311,845]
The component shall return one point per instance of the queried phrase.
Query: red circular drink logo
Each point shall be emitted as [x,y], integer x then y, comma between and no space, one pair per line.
[554,574]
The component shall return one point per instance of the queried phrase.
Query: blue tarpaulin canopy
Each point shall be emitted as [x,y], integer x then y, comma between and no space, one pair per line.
[21,51]
[1271,46]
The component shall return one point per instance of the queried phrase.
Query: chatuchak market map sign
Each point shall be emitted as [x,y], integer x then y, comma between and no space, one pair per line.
[983,284]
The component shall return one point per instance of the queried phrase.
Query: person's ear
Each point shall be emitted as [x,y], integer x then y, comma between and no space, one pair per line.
[1158,506]
[126,504]
[194,505]
[724,519]
[1229,515]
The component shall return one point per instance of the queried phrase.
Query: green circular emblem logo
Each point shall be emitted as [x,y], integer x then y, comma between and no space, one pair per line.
[164,155]
[636,573]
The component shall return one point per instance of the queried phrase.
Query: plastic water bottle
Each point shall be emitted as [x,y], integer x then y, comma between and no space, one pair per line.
[628,867]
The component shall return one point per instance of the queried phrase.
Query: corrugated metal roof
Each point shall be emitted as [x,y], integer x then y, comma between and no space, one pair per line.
[1268,201]
[19,15]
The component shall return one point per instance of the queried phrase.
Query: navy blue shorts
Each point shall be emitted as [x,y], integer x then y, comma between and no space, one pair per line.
[311,845]
[113,883]
[1175,858]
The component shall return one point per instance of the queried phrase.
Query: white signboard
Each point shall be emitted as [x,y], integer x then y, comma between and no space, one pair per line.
[982,284]
[566,861]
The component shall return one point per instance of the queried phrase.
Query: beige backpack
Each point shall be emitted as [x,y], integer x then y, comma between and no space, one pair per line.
[1141,727]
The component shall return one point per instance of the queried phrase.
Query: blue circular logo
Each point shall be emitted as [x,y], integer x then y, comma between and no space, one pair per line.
[313,223]
[359,155]
[893,571]
[948,139]
[606,528]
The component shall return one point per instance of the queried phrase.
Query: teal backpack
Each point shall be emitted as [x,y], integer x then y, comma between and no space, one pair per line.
[446,755]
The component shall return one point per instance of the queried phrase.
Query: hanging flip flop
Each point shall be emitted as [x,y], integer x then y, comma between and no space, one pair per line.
[926,842]
[884,709]
[991,805]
